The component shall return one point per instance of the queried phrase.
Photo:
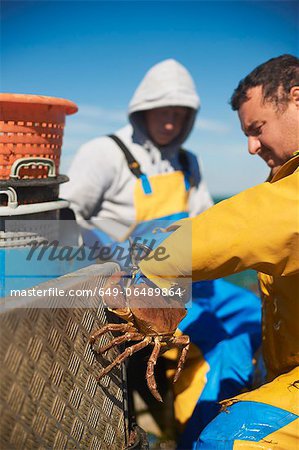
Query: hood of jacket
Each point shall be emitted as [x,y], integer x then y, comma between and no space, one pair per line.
[168,83]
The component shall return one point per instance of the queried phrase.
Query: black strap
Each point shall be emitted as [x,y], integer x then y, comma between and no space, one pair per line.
[135,167]
[132,163]
[183,159]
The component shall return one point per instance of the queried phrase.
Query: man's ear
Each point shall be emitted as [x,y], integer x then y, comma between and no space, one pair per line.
[294,95]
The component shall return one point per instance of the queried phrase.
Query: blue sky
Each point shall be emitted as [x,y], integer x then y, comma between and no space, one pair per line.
[95,53]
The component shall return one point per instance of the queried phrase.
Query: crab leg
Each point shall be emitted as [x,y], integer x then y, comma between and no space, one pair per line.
[150,371]
[129,336]
[123,356]
[185,342]
[109,327]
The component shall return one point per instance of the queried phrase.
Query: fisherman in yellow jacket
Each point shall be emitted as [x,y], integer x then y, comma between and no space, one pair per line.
[256,229]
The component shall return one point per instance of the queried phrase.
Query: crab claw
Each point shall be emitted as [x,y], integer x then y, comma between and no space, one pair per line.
[129,351]
[183,341]
[114,292]
[150,371]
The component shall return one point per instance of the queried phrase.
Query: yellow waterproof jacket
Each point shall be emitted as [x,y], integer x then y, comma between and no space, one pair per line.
[256,229]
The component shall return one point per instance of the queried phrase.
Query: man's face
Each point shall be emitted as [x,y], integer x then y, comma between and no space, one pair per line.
[272,134]
[165,124]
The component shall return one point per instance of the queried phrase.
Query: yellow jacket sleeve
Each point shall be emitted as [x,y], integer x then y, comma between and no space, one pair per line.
[256,229]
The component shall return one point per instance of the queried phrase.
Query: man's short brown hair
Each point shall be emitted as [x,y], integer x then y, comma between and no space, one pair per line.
[276,76]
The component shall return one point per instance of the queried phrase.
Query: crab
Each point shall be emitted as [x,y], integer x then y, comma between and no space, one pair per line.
[147,326]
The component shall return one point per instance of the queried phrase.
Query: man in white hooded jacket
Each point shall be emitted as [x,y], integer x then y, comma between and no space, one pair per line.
[101,184]
[139,175]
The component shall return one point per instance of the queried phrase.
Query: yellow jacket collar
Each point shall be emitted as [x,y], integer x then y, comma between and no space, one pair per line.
[287,169]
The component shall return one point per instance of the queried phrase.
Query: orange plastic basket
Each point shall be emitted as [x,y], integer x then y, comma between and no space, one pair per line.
[31,133]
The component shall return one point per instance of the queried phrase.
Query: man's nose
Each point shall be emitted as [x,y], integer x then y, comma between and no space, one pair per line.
[253,145]
[169,121]
[169,125]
